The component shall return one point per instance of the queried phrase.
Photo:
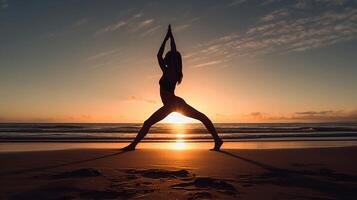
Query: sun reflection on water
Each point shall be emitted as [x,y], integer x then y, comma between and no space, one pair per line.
[179,130]
[180,136]
[180,145]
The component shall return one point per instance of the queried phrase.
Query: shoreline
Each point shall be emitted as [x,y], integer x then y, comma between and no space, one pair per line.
[149,140]
[180,145]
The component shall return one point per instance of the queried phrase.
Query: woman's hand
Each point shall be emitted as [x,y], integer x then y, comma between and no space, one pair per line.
[168,34]
[169,31]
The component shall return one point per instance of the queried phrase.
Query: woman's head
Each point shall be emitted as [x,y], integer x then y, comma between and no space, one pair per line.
[175,60]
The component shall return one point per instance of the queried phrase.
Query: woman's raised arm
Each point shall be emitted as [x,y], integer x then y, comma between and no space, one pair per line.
[161,52]
[172,41]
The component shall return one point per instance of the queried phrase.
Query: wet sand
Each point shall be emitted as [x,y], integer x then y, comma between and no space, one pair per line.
[312,173]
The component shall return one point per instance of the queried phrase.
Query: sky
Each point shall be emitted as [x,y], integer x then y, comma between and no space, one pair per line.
[243,60]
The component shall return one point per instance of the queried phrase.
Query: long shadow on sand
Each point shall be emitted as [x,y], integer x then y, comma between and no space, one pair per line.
[325,181]
[38,169]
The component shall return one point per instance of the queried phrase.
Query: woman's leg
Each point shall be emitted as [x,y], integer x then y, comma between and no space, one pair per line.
[154,118]
[189,111]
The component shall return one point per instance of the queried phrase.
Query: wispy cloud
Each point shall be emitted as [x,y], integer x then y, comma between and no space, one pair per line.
[134,27]
[302,33]
[103,54]
[131,24]
[146,22]
[275,15]
[141,99]
[151,31]
[315,112]
[306,116]
[182,27]
[187,23]
[208,63]
[112,27]
[281,31]
[211,53]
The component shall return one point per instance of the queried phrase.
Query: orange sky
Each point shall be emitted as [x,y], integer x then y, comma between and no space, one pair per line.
[283,62]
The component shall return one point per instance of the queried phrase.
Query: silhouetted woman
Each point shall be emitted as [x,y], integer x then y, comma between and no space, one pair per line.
[171,67]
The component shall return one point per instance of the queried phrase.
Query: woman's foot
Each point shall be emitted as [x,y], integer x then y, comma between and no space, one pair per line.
[217,145]
[128,148]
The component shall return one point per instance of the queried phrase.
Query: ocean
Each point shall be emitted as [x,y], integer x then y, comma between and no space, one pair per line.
[125,132]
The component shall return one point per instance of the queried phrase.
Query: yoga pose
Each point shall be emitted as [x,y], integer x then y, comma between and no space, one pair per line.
[171,67]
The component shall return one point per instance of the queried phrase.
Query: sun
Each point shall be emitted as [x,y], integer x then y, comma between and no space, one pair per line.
[177,118]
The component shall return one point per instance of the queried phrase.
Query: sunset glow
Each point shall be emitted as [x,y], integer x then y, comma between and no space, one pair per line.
[287,62]
[207,99]
[177,118]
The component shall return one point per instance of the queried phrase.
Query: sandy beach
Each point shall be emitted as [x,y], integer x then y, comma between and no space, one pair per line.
[313,173]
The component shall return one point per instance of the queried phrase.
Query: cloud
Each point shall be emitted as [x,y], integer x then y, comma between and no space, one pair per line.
[131,24]
[315,113]
[146,22]
[182,27]
[218,51]
[141,99]
[256,114]
[151,31]
[306,116]
[112,27]
[142,24]
[103,54]
[303,33]
[188,23]
[208,63]
[281,31]
[275,15]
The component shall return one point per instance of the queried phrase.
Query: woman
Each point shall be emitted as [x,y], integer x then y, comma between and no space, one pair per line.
[171,67]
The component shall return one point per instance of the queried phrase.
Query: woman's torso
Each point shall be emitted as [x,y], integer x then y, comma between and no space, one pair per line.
[167,87]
